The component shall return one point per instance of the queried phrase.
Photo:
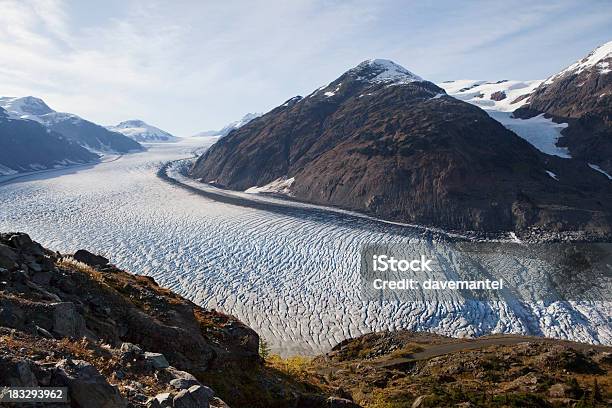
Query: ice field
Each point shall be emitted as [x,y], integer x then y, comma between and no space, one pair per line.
[291,275]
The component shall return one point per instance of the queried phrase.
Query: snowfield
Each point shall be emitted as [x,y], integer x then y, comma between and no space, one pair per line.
[293,276]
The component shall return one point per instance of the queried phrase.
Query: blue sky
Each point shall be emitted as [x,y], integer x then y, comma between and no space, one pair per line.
[188,66]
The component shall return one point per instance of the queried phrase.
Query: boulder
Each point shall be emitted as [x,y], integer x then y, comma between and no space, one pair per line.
[86,386]
[216,402]
[194,397]
[164,400]
[67,322]
[559,391]
[19,240]
[180,380]
[157,360]
[17,373]
[90,259]
[130,352]
[8,257]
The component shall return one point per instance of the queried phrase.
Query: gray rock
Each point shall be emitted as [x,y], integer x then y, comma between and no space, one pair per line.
[67,322]
[153,403]
[195,397]
[17,373]
[201,392]
[87,387]
[418,402]
[130,348]
[20,239]
[90,259]
[8,257]
[164,399]
[157,360]
[216,402]
[181,380]
[42,278]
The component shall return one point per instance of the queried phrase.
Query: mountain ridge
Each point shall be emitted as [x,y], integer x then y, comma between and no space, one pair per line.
[398,147]
[88,134]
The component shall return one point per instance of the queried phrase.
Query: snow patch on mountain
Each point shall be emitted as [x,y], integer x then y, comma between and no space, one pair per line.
[142,132]
[281,185]
[540,131]
[594,59]
[599,169]
[27,107]
[504,95]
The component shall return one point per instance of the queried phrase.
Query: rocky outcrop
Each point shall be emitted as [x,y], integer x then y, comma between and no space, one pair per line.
[112,338]
[498,96]
[382,141]
[580,95]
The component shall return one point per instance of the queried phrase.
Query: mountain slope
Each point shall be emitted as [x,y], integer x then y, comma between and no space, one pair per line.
[381,140]
[142,132]
[72,127]
[581,96]
[26,145]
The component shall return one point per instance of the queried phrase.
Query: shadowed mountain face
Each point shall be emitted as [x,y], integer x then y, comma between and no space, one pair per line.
[580,95]
[26,145]
[383,141]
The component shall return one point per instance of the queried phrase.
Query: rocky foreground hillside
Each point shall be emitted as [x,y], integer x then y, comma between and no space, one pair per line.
[383,141]
[120,340]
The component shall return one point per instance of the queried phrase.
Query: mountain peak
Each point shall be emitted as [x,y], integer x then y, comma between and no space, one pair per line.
[132,123]
[27,105]
[383,71]
[599,59]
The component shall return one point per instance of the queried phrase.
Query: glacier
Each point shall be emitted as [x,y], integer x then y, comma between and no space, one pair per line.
[291,275]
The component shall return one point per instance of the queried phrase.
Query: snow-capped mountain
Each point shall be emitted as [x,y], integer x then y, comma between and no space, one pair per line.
[230,126]
[504,95]
[26,145]
[88,134]
[141,131]
[382,140]
[581,97]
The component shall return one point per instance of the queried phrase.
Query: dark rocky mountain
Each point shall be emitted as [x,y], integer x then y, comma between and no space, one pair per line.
[26,145]
[381,140]
[72,127]
[580,95]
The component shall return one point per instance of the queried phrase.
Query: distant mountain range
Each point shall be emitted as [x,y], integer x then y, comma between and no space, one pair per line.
[142,132]
[88,134]
[34,137]
[26,145]
[230,126]
[381,140]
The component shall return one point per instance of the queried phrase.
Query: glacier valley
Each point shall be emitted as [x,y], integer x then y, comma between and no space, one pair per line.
[293,276]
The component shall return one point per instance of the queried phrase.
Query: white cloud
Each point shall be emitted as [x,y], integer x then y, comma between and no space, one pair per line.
[191,65]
